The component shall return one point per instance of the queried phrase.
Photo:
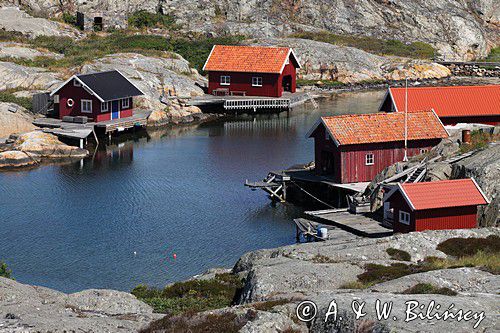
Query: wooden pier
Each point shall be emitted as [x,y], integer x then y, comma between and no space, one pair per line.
[254,103]
[366,224]
[81,132]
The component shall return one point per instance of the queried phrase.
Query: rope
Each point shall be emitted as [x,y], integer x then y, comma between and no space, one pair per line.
[324,203]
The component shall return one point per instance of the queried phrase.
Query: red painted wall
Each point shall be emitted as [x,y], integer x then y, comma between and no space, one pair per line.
[271,83]
[488,120]
[432,219]
[77,94]
[349,161]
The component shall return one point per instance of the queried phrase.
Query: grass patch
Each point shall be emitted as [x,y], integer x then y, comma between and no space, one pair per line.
[494,55]
[479,140]
[5,271]
[78,52]
[8,97]
[373,45]
[191,296]
[321,259]
[354,285]
[269,305]
[396,254]
[324,83]
[213,323]
[144,19]
[462,247]
[427,288]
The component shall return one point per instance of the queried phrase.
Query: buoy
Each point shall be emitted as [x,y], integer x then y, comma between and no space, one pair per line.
[135,253]
[175,256]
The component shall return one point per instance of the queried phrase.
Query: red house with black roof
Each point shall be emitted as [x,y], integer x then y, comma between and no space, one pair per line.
[445,204]
[99,96]
[355,148]
[251,70]
[453,104]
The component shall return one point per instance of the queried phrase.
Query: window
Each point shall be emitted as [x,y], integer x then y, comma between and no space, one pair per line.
[327,135]
[369,159]
[76,83]
[56,99]
[404,217]
[287,61]
[104,107]
[125,103]
[257,81]
[225,80]
[86,106]
[423,150]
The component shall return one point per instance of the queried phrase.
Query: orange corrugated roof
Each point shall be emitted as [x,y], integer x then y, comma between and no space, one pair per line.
[457,101]
[444,193]
[250,59]
[383,127]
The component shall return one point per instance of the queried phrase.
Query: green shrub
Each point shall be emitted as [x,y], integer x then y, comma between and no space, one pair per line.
[69,18]
[192,295]
[479,140]
[373,45]
[494,55]
[144,19]
[4,270]
[8,97]
[269,305]
[396,254]
[462,247]
[427,288]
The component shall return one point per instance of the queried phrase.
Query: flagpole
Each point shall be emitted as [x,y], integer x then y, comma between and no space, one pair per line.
[405,158]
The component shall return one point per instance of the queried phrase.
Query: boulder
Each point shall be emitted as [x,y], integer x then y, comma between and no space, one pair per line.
[46,145]
[14,122]
[39,309]
[17,159]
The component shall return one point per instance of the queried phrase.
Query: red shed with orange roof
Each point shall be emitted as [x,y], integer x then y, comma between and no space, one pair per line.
[453,104]
[355,148]
[446,204]
[251,70]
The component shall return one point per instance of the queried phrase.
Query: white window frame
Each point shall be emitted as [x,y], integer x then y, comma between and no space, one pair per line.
[77,83]
[327,135]
[125,103]
[56,99]
[368,157]
[225,80]
[255,81]
[404,217]
[104,109]
[84,102]
[424,150]
[287,61]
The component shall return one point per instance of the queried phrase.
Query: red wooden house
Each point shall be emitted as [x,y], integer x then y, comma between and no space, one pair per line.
[455,104]
[446,204]
[99,96]
[251,70]
[355,148]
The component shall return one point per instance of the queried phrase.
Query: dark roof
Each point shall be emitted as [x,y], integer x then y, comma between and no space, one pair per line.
[109,85]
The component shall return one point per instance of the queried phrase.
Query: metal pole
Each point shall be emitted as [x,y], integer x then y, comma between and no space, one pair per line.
[405,158]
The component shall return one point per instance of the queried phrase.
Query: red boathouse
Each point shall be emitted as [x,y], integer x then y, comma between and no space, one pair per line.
[251,70]
[99,96]
[445,204]
[355,148]
[454,104]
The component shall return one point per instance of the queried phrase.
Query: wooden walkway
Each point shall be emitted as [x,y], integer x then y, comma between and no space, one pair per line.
[359,224]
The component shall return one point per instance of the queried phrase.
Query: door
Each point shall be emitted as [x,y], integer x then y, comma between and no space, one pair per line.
[287,83]
[327,163]
[115,111]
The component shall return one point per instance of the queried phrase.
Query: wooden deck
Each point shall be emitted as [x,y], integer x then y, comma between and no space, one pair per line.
[359,224]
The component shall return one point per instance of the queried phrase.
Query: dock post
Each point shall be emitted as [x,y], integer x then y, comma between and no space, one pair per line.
[81,143]
[284,191]
[297,234]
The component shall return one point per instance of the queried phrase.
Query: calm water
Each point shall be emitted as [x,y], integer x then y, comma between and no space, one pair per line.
[76,226]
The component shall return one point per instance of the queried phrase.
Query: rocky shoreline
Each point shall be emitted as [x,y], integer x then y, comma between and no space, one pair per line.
[275,281]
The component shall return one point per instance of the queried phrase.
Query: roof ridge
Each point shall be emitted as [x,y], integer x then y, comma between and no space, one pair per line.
[448,87]
[101,72]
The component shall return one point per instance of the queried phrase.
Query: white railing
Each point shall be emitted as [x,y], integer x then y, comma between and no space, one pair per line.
[249,104]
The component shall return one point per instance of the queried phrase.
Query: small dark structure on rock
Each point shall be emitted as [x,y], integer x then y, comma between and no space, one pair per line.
[446,204]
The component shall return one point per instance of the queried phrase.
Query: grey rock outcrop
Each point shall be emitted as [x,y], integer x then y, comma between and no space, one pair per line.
[14,19]
[18,50]
[325,61]
[459,30]
[14,76]
[39,309]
